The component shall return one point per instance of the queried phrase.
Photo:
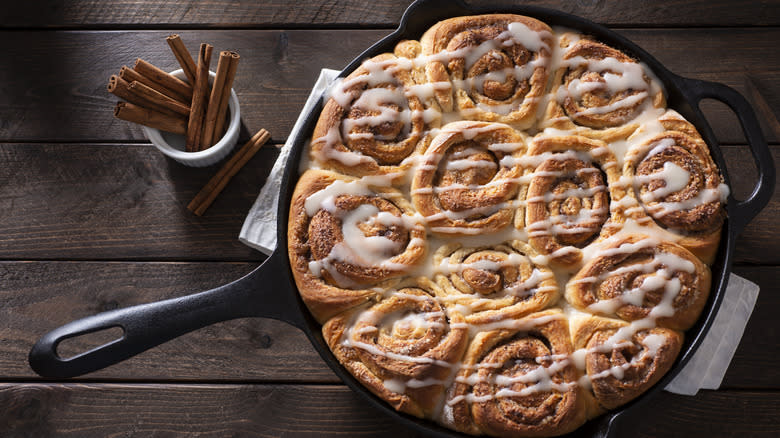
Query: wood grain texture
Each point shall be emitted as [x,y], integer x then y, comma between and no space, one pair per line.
[94,218]
[87,410]
[225,13]
[65,99]
[128,202]
[37,297]
[253,349]
[84,411]
[119,202]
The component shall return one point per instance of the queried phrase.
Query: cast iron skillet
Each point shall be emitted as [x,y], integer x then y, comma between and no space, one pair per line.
[270,292]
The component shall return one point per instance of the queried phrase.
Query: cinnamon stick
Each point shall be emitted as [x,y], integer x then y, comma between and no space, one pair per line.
[217,95]
[222,115]
[121,89]
[158,99]
[151,118]
[183,56]
[130,75]
[206,196]
[164,79]
[199,99]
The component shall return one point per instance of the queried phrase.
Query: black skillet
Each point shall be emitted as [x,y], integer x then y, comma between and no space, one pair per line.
[269,290]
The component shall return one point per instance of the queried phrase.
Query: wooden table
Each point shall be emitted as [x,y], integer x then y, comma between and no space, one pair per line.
[94,217]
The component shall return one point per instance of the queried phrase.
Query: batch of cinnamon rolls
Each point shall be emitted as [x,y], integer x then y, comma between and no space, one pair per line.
[502,228]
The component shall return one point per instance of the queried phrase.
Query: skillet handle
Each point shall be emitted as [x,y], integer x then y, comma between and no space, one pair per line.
[697,90]
[148,325]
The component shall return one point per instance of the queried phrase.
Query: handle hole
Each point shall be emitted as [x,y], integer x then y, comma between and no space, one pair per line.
[741,168]
[76,345]
[723,121]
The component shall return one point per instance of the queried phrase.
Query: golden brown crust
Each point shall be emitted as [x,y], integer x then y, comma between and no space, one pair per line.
[622,363]
[443,192]
[567,201]
[584,101]
[344,283]
[495,282]
[404,342]
[512,98]
[698,226]
[637,277]
[362,128]
[518,382]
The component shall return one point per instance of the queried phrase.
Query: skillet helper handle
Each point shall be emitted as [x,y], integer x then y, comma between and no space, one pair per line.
[148,325]
[762,192]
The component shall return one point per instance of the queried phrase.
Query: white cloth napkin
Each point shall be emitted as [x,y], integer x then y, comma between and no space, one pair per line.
[259,229]
[706,368]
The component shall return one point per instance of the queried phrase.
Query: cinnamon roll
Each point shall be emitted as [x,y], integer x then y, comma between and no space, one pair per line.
[638,277]
[347,237]
[468,178]
[489,67]
[518,381]
[372,124]
[599,91]
[676,185]
[494,282]
[403,348]
[566,203]
[623,361]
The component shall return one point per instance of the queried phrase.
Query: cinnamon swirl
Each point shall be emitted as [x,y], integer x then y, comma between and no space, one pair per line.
[675,182]
[518,381]
[372,124]
[639,277]
[403,347]
[346,237]
[468,178]
[621,361]
[599,91]
[489,67]
[494,282]
[566,202]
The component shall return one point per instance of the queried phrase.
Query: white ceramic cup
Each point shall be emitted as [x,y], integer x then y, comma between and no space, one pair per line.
[172,145]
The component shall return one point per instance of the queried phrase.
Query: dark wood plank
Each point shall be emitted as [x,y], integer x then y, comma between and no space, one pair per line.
[753,363]
[85,411]
[221,13]
[119,202]
[37,297]
[59,93]
[128,202]
[720,413]
[66,98]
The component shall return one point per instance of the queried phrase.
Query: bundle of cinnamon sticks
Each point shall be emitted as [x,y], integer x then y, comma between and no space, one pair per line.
[192,108]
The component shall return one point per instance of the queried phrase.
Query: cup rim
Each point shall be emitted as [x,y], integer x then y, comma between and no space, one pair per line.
[154,135]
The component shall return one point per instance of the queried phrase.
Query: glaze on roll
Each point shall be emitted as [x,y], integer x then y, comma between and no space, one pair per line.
[468,177]
[494,282]
[489,67]
[566,202]
[346,238]
[518,381]
[503,229]
[403,348]
[676,183]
